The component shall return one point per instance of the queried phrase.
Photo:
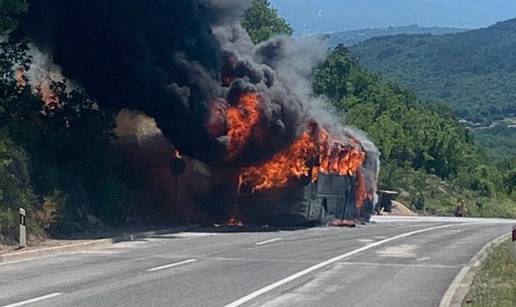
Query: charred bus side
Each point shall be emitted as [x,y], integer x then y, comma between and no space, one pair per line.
[330,197]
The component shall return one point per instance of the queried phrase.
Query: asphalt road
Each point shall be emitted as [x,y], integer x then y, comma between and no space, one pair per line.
[392,262]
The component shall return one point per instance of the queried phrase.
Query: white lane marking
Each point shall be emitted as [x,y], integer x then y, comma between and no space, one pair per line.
[318,266]
[268,241]
[34,300]
[365,240]
[168,266]
[194,234]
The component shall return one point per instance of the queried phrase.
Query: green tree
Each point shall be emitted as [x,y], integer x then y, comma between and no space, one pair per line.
[10,10]
[55,154]
[262,21]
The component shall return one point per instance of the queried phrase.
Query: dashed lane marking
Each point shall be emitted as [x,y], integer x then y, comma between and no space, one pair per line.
[268,241]
[168,266]
[34,300]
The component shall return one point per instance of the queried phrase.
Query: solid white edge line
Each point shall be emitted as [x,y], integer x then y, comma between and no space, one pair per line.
[318,266]
[268,241]
[168,266]
[461,284]
[34,300]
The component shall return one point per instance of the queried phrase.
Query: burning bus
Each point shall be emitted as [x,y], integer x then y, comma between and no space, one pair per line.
[317,179]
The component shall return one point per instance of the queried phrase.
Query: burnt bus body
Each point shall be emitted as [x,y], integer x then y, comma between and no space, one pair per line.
[303,202]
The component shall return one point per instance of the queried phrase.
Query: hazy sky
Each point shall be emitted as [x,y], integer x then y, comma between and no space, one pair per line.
[338,15]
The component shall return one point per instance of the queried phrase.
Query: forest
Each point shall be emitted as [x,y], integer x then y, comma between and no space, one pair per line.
[473,72]
[60,161]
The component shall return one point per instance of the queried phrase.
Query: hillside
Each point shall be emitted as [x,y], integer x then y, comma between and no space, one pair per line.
[474,72]
[349,38]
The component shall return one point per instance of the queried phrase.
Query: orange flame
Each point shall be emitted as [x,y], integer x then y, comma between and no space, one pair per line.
[19,76]
[42,89]
[240,121]
[288,164]
[47,95]
[233,221]
[361,193]
[313,153]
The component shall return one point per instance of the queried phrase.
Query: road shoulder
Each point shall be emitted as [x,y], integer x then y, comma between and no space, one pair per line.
[461,285]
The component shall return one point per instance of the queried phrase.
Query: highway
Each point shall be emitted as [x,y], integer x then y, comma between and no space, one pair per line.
[391,262]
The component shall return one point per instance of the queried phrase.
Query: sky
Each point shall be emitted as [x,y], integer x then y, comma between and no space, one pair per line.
[316,16]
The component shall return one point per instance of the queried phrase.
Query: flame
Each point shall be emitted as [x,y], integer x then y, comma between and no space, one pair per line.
[42,88]
[47,95]
[240,122]
[314,152]
[361,194]
[233,221]
[288,164]
[20,77]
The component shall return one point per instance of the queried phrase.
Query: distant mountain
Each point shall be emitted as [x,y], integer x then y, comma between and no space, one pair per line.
[327,16]
[473,71]
[348,38]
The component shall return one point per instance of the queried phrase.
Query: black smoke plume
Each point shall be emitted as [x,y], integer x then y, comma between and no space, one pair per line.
[175,60]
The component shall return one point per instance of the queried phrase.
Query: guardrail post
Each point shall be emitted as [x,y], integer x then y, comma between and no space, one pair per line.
[23,231]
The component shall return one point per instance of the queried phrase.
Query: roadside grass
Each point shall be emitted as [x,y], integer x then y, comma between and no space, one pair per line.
[495,283]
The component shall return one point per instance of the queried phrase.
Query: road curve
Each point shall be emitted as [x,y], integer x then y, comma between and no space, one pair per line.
[392,262]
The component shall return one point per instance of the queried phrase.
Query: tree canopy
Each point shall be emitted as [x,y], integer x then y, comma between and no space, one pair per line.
[10,10]
[262,21]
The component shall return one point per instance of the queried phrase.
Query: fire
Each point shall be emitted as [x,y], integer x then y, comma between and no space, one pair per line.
[288,164]
[47,95]
[313,153]
[233,221]
[19,76]
[361,193]
[240,122]
[42,88]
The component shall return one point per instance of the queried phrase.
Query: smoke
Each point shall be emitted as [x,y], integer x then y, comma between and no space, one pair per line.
[182,63]
[173,60]
[136,125]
